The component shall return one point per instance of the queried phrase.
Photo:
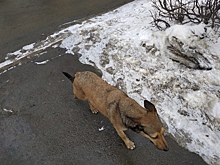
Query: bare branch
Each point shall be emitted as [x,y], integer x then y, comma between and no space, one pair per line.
[182,12]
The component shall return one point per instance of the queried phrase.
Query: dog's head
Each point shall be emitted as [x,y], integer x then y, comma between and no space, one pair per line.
[152,128]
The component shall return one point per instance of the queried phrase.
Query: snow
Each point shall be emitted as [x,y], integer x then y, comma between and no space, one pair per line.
[101,129]
[134,57]
[215,112]
[7,110]
[42,62]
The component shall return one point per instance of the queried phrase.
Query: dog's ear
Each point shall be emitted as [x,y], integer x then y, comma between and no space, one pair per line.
[149,106]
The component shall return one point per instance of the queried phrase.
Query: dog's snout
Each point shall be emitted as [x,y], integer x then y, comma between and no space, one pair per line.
[166,149]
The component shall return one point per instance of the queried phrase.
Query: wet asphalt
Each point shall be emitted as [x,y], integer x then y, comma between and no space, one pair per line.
[40,122]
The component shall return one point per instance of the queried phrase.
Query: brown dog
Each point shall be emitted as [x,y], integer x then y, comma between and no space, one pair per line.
[121,110]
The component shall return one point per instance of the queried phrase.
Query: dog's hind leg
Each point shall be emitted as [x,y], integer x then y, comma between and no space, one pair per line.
[78,92]
[92,108]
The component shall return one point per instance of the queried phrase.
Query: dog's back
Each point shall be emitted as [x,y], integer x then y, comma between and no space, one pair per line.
[90,82]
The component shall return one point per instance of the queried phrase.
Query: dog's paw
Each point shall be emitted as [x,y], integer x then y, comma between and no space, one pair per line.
[94,111]
[130,145]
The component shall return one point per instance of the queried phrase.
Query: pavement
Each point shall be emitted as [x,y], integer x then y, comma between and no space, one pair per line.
[40,121]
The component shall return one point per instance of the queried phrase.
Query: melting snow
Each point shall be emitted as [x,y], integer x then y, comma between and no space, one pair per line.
[101,129]
[7,110]
[42,62]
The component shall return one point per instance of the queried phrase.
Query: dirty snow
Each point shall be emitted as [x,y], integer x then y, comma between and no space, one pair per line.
[133,56]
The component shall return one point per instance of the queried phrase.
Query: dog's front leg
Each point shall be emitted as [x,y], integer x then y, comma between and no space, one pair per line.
[115,118]
[127,141]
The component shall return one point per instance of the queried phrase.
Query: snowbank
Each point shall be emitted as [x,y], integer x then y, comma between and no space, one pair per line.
[136,59]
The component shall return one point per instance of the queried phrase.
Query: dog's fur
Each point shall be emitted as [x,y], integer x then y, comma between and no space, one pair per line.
[121,110]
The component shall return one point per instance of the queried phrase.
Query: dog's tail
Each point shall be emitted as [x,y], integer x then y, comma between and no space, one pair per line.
[71,78]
